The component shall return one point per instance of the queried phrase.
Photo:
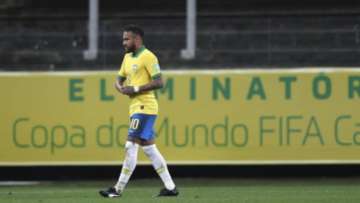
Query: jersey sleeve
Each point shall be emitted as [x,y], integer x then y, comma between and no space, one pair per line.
[121,73]
[152,66]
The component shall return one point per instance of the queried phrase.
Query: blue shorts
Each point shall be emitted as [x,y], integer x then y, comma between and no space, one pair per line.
[141,126]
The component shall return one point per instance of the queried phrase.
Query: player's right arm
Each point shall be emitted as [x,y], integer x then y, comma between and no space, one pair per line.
[119,83]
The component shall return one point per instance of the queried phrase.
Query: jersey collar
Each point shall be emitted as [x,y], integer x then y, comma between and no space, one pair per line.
[137,52]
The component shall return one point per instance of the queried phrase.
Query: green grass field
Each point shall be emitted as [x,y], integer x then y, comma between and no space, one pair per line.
[317,190]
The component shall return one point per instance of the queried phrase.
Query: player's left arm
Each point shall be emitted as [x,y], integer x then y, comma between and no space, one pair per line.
[155,83]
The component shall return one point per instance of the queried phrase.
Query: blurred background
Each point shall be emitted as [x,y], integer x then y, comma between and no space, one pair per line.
[53,35]
[43,35]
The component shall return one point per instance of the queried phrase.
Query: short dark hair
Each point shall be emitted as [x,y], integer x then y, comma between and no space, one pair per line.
[134,29]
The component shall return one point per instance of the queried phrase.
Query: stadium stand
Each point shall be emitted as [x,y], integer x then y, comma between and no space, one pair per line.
[43,36]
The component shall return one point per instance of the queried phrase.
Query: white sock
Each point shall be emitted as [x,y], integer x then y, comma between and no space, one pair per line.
[129,164]
[159,165]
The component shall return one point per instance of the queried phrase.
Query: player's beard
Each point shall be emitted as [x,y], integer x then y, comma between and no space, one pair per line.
[130,49]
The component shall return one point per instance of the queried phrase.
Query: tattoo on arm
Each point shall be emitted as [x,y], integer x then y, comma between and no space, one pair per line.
[153,85]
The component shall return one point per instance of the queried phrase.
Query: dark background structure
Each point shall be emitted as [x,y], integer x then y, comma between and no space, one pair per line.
[52,35]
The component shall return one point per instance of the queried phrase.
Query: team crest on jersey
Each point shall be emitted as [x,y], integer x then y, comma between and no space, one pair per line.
[134,67]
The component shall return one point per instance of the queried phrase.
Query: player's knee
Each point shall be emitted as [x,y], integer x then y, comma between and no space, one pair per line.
[128,145]
[149,150]
[131,148]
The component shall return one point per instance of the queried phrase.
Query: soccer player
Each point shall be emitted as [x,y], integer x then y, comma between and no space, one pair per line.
[139,75]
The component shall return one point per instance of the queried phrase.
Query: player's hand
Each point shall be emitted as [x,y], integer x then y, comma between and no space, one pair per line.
[128,90]
[118,87]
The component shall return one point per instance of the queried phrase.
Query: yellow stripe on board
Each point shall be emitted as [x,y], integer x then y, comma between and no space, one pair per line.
[278,116]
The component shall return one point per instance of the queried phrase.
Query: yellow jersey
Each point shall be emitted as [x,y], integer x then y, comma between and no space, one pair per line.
[139,68]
